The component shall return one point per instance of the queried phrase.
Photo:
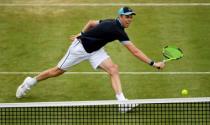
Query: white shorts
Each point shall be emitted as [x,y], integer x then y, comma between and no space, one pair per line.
[76,54]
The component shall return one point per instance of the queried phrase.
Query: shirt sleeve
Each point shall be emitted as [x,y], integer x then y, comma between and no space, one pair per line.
[123,38]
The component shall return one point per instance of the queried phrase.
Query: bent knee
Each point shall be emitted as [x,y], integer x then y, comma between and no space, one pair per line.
[113,69]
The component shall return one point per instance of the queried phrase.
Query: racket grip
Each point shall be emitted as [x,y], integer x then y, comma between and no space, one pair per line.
[164,61]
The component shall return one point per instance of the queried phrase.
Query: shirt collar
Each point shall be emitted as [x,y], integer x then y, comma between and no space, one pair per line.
[119,23]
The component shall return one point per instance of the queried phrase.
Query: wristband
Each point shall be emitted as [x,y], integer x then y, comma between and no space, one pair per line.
[151,63]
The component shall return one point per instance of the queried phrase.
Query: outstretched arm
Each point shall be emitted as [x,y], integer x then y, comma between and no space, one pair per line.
[89,25]
[140,55]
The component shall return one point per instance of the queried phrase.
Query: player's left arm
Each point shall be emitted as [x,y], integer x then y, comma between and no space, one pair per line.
[89,25]
[140,55]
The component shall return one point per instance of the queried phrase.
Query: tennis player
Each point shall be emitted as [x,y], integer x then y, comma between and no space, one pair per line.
[88,45]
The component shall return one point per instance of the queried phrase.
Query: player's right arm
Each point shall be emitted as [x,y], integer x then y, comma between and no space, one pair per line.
[89,25]
[140,55]
[124,39]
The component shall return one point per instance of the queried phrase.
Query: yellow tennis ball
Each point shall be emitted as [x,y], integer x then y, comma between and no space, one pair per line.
[184,92]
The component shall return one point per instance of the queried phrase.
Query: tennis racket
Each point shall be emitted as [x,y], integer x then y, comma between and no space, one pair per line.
[172,53]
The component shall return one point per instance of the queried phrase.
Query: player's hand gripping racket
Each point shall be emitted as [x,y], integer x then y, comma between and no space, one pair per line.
[172,53]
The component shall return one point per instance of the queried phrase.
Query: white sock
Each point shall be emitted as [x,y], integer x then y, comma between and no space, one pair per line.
[31,82]
[120,97]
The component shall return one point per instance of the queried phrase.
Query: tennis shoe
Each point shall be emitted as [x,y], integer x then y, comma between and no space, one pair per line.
[123,108]
[23,88]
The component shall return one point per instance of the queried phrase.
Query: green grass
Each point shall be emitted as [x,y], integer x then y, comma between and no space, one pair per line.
[100,1]
[36,38]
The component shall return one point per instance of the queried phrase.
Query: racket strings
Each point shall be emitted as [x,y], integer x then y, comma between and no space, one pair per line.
[172,53]
[168,54]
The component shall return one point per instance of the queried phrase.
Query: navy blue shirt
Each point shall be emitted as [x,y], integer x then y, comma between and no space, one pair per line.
[106,31]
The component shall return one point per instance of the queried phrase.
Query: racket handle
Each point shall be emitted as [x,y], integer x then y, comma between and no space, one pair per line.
[164,61]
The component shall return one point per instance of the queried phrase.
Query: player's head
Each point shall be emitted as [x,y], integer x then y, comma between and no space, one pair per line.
[126,16]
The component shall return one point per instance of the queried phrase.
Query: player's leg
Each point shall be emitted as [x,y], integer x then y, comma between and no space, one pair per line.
[73,56]
[100,59]
[29,81]
[112,69]
[52,72]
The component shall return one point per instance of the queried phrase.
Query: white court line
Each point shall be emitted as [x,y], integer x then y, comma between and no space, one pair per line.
[99,4]
[104,73]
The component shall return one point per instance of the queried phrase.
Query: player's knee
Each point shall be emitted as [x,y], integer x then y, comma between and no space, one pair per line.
[113,69]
